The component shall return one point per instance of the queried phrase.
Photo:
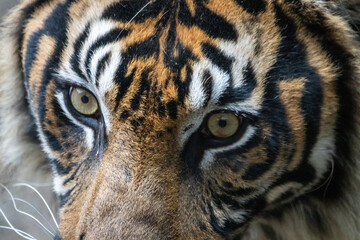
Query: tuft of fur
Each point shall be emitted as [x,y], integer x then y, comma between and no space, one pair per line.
[20,153]
[21,157]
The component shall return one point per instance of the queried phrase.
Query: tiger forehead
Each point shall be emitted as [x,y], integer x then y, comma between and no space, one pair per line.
[176,32]
[162,40]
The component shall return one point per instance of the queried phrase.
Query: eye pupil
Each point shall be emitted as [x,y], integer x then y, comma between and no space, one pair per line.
[222,122]
[85,99]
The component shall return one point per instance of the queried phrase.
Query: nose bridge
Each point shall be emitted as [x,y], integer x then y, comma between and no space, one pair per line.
[157,154]
[136,189]
[150,148]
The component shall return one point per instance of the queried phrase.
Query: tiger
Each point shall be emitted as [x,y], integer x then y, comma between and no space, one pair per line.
[186,119]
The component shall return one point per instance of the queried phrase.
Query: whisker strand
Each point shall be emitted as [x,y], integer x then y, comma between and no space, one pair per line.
[37,192]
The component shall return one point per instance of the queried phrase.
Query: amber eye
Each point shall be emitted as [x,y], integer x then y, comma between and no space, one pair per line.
[83,101]
[223,125]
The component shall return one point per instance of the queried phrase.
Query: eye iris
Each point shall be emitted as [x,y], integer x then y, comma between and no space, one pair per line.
[223,125]
[83,101]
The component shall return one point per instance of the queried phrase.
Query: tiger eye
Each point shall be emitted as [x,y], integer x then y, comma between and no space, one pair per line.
[83,101]
[223,125]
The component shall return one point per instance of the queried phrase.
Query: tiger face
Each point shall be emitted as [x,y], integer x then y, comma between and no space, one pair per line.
[183,119]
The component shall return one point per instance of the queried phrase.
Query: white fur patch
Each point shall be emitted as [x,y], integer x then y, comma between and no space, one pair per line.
[196,92]
[97,30]
[106,79]
[96,58]
[210,153]
[89,138]
[220,80]
[241,51]
[58,183]
[321,155]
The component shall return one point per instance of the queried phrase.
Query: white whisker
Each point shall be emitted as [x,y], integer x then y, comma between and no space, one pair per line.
[37,192]
[17,231]
[328,180]
[37,211]
[35,184]
[9,228]
[132,19]
[47,231]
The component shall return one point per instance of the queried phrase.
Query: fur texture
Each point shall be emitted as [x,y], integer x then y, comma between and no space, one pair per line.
[146,165]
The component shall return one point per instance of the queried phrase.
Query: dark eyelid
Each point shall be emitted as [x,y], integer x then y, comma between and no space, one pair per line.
[252,119]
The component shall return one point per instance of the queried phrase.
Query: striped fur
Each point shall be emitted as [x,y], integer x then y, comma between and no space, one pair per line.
[143,167]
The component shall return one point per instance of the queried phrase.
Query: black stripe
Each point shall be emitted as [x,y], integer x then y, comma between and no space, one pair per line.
[215,197]
[231,225]
[234,159]
[192,154]
[303,174]
[212,24]
[60,169]
[252,6]
[65,198]
[125,114]
[214,222]
[207,83]
[113,36]
[238,192]
[229,201]
[243,92]
[137,122]
[255,205]
[256,170]
[217,57]
[72,176]
[101,67]
[126,11]
[52,141]
[161,110]
[177,55]
[54,26]
[124,83]
[148,48]
[27,14]
[75,58]
[183,54]
[172,109]
[183,86]
[144,87]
